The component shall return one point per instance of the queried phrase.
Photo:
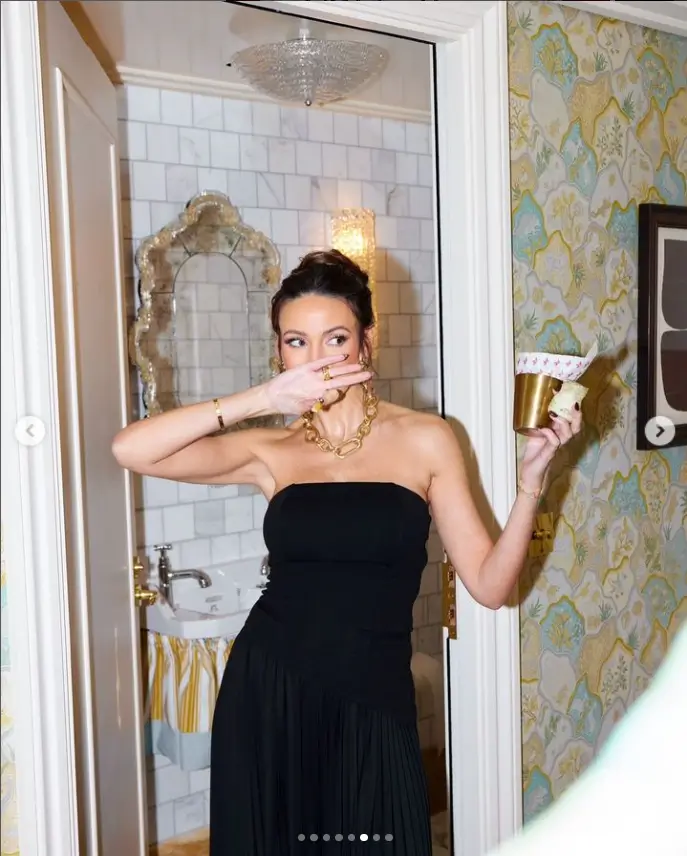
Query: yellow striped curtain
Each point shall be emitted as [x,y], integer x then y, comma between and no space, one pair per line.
[182,678]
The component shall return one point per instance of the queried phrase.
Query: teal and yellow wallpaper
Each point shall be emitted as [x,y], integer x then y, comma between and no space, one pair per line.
[598,124]
[9,833]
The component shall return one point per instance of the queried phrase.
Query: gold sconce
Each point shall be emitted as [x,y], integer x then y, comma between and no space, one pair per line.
[353,234]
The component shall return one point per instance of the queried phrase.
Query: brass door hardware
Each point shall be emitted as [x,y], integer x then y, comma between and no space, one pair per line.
[142,596]
[448,590]
[542,536]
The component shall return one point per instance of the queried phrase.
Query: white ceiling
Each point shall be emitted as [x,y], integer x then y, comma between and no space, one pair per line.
[196,38]
[669,15]
[186,44]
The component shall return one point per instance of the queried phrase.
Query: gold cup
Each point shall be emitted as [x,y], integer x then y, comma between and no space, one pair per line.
[533,394]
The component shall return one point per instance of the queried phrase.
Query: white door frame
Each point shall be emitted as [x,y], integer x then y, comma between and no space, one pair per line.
[477,349]
[476,346]
[32,477]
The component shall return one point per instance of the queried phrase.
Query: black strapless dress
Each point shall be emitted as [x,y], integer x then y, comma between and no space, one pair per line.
[315,747]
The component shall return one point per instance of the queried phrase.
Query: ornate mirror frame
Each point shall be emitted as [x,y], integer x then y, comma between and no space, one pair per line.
[214,210]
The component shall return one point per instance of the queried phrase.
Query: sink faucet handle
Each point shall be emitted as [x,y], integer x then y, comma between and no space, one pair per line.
[162,548]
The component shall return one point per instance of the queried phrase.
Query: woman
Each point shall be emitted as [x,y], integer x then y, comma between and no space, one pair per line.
[315,746]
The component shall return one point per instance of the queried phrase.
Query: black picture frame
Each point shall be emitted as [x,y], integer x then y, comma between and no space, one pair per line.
[653,218]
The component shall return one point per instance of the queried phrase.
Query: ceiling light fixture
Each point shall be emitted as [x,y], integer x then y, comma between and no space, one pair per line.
[310,71]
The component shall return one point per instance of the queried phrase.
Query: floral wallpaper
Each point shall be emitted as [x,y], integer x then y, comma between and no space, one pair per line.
[9,833]
[598,124]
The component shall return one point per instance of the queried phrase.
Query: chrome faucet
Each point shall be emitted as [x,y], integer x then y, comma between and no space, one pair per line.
[264,572]
[167,576]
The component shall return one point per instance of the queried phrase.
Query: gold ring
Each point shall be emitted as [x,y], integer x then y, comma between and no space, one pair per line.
[326,374]
[318,405]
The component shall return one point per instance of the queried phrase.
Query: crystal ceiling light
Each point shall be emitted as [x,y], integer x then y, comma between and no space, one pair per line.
[308,70]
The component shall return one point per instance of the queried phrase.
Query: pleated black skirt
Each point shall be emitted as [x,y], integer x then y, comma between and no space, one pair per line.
[299,770]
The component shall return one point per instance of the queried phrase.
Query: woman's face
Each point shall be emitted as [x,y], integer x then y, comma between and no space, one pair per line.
[314,327]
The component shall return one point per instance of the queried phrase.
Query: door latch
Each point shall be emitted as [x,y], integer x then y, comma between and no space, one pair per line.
[448,590]
[542,537]
[142,596]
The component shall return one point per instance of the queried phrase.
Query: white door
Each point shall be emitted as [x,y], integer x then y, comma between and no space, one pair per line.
[83,175]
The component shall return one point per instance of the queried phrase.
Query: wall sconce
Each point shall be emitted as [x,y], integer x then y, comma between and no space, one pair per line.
[353,234]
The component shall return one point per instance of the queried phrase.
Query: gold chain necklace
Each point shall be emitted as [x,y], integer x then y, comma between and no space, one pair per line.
[347,447]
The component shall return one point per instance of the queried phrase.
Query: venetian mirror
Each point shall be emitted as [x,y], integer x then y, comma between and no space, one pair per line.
[202,329]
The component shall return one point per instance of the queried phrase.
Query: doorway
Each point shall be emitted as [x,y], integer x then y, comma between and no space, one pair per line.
[469,397]
[289,170]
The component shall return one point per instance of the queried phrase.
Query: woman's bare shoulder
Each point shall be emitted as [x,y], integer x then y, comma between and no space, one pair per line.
[409,419]
[427,433]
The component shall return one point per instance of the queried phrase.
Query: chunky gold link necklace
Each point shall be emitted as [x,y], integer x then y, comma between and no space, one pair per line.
[347,447]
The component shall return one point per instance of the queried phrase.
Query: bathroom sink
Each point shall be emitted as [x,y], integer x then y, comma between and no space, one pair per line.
[219,610]
[187,624]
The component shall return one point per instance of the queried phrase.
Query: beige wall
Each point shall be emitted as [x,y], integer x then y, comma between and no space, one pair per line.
[598,114]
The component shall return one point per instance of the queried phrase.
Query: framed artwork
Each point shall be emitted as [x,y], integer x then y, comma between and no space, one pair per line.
[662,327]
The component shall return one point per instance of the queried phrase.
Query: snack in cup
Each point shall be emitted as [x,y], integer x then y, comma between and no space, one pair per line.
[564,401]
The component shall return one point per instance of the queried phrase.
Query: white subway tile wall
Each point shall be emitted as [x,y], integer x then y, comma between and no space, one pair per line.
[286,169]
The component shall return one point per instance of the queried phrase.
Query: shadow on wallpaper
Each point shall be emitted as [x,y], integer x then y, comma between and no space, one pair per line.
[9,841]
[598,124]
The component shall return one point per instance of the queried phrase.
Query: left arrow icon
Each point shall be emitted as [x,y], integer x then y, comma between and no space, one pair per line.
[29,431]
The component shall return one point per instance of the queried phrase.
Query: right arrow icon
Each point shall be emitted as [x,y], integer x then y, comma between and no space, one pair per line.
[659,431]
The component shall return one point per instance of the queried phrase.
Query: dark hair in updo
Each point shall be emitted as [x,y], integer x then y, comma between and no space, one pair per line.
[331,274]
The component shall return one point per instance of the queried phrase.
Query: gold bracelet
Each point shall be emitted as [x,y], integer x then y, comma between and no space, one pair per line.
[533,494]
[218,411]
